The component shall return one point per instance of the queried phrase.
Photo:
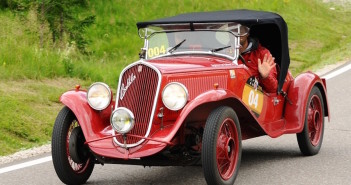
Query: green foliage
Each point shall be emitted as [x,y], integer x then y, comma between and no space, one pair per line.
[62,18]
[15,5]
[77,32]
[3,4]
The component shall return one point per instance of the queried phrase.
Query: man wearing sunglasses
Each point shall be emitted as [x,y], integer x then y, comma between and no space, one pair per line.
[259,61]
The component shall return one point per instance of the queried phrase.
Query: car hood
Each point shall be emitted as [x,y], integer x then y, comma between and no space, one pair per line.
[175,64]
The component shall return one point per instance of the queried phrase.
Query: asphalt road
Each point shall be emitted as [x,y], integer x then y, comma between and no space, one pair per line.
[264,160]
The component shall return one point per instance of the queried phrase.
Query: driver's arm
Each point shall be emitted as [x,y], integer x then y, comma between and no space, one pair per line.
[270,83]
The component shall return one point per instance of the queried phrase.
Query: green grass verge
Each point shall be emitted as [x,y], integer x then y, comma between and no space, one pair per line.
[28,111]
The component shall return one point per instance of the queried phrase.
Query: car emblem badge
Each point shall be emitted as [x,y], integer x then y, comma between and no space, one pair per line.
[232,73]
[140,68]
[124,88]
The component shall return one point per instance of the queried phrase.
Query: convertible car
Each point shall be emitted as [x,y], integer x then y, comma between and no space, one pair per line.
[190,100]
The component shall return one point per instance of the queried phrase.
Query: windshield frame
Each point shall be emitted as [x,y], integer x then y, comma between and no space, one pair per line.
[233,58]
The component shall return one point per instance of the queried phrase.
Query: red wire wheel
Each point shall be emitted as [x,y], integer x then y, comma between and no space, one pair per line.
[311,137]
[315,120]
[221,147]
[227,149]
[76,167]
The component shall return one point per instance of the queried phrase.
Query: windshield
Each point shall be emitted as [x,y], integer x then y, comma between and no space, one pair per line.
[215,39]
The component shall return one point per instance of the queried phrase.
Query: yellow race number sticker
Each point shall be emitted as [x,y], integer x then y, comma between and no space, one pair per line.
[253,97]
[156,51]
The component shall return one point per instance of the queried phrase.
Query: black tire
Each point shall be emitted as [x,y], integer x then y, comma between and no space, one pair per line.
[66,169]
[311,138]
[222,124]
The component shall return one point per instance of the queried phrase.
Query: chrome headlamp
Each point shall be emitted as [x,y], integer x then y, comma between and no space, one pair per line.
[99,96]
[174,96]
[122,120]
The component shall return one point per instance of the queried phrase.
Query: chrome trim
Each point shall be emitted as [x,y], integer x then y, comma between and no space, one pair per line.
[131,78]
[187,29]
[130,114]
[141,61]
[146,43]
[237,52]
[109,91]
[186,92]
[139,30]
[146,46]
[196,52]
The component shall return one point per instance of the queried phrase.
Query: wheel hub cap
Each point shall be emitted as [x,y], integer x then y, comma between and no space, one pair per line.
[315,120]
[227,149]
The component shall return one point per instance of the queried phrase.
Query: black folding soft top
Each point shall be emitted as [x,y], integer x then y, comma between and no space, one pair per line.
[270,28]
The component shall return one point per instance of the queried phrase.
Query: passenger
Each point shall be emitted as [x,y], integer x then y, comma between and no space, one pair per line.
[259,61]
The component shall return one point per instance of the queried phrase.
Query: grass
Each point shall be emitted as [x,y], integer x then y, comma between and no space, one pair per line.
[32,79]
[318,35]
[21,57]
[28,111]
[316,32]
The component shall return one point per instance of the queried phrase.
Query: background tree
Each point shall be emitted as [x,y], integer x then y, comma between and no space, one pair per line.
[62,18]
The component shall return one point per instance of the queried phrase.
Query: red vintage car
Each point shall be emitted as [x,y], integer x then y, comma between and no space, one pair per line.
[190,100]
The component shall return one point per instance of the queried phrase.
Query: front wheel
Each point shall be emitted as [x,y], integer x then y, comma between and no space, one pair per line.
[310,139]
[221,146]
[70,172]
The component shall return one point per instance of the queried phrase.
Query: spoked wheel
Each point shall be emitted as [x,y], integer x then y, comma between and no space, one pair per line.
[310,139]
[67,131]
[221,146]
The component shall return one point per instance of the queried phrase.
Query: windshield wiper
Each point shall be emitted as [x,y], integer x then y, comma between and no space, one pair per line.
[219,49]
[176,46]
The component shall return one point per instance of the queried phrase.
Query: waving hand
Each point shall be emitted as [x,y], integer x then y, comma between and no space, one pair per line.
[265,67]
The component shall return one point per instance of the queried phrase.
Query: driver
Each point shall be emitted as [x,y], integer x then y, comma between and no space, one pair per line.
[259,61]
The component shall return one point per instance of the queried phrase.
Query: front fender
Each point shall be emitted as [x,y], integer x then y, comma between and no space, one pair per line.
[298,93]
[91,121]
[207,97]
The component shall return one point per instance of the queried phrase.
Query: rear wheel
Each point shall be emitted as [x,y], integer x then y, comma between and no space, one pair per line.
[221,146]
[70,172]
[310,139]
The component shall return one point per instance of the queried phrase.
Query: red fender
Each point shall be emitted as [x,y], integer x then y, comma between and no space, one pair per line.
[209,96]
[298,93]
[91,121]
[96,125]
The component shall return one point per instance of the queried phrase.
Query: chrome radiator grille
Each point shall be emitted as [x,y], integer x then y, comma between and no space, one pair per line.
[137,92]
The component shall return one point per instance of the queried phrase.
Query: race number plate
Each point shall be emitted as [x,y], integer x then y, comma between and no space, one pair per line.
[253,96]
